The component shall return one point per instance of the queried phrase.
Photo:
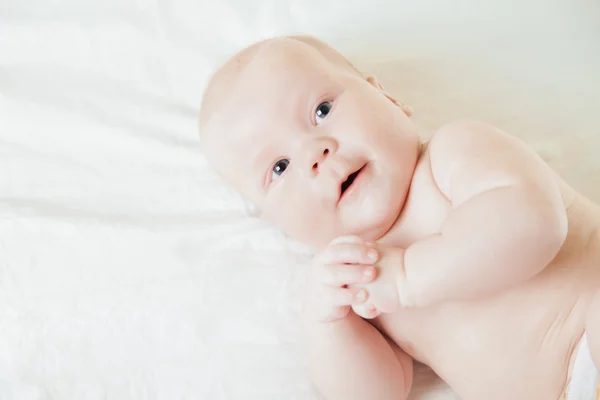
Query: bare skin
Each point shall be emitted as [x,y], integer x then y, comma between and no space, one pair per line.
[518,343]
[487,263]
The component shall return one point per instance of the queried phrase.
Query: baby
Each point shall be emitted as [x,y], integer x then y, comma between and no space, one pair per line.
[466,253]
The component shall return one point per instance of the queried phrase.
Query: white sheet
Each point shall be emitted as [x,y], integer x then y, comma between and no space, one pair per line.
[127,270]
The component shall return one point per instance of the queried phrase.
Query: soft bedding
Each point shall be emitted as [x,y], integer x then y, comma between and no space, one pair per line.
[128,270]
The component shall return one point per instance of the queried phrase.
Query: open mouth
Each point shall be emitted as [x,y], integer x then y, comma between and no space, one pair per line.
[348,182]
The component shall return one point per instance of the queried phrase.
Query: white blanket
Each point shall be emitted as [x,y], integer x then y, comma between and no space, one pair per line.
[127,270]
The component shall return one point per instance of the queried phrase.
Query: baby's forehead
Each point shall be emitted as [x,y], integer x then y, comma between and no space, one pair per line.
[251,70]
[291,57]
[287,57]
[290,60]
[259,76]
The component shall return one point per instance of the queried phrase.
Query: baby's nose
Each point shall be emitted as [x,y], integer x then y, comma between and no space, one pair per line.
[322,150]
[316,151]
[320,157]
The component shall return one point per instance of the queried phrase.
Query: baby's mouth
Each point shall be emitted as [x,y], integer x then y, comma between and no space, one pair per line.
[349,181]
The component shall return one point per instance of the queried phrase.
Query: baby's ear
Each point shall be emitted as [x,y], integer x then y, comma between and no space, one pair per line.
[406,109]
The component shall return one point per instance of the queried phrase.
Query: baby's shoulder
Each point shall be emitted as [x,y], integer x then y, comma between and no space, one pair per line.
[472,145]
[470,157]
[468,137]
[455,141]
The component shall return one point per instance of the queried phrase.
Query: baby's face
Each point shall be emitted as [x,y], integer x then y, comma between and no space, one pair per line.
[321,151]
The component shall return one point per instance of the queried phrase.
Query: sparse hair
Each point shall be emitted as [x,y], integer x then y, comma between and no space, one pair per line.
[239,61]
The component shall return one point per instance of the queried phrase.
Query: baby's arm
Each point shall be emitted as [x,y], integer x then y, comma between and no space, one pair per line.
[508,220]
[351,360]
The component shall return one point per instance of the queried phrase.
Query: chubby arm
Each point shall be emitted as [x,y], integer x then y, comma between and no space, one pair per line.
[508,220]
[351,360]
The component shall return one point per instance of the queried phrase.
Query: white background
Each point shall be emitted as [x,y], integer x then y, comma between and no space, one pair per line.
[127,270]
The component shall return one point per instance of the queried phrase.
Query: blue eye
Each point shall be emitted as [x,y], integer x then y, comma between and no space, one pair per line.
[279,168]
[322,111]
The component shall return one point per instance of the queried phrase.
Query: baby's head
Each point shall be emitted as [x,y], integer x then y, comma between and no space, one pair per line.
[319,149]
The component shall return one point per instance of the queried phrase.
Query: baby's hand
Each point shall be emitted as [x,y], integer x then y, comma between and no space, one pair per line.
[345,262]
[384,292]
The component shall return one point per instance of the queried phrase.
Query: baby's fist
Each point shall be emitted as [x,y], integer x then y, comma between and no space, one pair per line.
[384,292]
[346,262]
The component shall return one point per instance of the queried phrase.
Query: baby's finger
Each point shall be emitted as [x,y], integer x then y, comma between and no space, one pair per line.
[344,297]
[350,254]
[347,274]
[366,311]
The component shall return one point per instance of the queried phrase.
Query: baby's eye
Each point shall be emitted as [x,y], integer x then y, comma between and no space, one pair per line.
[322,111]
[279,168]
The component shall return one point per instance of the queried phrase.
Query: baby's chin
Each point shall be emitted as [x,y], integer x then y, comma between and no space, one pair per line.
[371,229]
[376,230]
[373,223]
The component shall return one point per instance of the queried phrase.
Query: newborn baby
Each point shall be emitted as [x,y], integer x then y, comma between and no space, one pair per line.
[466,253]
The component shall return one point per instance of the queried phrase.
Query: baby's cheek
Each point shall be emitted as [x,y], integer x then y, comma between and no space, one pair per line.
[301,216]
[318,233]
[294,224]
[310,224]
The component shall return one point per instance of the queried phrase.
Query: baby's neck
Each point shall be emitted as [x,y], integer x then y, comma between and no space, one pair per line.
[389,235]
